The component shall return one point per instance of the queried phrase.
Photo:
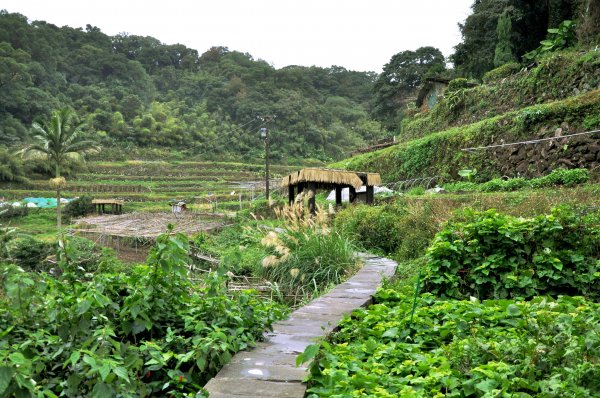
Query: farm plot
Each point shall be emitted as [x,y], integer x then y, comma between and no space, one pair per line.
[137,181]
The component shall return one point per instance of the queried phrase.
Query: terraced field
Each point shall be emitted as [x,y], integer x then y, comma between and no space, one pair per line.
[199,183]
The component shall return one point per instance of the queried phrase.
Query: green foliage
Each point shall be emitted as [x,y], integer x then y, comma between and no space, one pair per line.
[468,174]
[481,35]
[556,177]
[41,168]
[558,39]
[416,191]
[79,207]
[540,348]
[28,253]
[85,258]
[135,91]
[147,332]
[565,177]
[555,77]
[6,236]
[400,78]
[503,53]
[8,212]
[402,230]
[491,255]
[307,256]
[503,71]
[441,154]
[373,227]
[11,167]
[454,97]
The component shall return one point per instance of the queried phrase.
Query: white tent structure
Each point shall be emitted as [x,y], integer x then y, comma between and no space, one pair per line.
[346,192]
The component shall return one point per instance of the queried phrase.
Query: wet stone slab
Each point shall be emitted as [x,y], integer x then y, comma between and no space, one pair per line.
[269,369]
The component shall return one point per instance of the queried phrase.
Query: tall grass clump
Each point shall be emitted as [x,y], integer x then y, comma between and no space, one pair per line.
[307,255]
[402,229]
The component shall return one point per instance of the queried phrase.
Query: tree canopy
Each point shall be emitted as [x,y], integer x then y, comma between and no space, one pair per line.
[137,90]
[400,79]
[483,36]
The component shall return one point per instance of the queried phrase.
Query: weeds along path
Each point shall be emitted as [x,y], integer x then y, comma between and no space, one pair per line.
[269,370]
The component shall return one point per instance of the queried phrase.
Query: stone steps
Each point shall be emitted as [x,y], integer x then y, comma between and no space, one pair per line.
[269,369]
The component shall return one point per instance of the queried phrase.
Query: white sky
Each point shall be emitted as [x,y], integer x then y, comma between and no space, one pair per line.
[356,34]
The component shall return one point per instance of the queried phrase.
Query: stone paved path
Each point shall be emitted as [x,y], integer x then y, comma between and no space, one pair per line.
[269,369]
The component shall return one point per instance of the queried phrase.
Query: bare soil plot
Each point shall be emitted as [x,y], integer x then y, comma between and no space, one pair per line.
[148,225]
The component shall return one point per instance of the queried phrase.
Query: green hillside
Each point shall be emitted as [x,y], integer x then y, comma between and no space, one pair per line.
[138,92]
[560,96]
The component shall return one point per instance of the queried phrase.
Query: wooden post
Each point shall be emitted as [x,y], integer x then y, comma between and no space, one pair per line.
[291,196]
[370,194]
[352,194]
[338,195]
[312,191]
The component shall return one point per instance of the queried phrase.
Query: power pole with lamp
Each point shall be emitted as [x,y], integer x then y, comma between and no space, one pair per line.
[264,134]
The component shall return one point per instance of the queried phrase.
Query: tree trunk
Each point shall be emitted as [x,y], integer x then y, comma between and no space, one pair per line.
[58,213]
[58,209]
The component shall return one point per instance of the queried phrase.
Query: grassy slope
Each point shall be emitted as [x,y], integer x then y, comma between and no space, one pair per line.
[562,92]
[440,153]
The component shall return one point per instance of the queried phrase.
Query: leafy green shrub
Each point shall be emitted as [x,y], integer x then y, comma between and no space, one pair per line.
[501,72]
[498,184]
[449,348]
[491,255]
[28,253]
[84,256]
[307,256]
[79,207]
[149,332]
[6,236]
[558,38]
[11,167]
[416,191]
[372,227]
[513,184]
[457,84]
[7,212]
[461,186]
[562,177]
[399,229]
[45,169]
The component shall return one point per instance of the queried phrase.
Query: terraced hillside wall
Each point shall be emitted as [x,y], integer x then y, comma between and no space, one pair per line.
[440,154]
[509,88]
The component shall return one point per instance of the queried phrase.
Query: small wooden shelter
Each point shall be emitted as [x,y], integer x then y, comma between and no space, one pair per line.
[313,178]
[115,204]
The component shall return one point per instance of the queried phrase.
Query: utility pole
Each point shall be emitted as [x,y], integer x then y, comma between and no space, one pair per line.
[264,133]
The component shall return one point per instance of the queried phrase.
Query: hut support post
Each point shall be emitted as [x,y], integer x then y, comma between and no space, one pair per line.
[352,194]
[338,196]
[312,191]
[370,194]
[291,196]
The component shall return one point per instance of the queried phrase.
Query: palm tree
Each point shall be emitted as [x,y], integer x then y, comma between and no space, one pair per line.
[58,140]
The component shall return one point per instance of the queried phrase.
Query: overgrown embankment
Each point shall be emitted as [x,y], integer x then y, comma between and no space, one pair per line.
[508,88]
[560,96]
[442,153]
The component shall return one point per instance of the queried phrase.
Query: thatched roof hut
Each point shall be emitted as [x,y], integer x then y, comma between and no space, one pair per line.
[314,178]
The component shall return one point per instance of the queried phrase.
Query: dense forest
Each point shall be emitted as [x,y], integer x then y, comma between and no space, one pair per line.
[137,92]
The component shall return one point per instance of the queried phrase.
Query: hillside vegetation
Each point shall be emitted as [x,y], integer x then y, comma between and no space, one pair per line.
[135,91]
[560,96]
